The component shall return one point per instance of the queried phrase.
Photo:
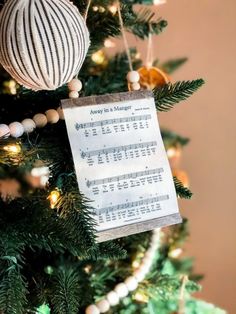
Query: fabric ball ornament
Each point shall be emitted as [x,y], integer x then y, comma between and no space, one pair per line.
[43,43]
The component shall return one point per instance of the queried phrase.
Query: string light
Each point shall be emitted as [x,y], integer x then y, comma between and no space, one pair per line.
[175,253]
[109,43]
[113,9]
[159,2]
[53,198]
[98,57]
[141,297]
[12,148]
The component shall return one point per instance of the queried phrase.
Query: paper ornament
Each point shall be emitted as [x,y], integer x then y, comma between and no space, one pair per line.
[43,43]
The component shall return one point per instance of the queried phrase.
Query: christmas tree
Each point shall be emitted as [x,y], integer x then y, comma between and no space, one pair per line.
[50,261]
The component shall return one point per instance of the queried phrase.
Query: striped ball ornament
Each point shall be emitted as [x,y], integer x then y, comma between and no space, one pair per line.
[43,43]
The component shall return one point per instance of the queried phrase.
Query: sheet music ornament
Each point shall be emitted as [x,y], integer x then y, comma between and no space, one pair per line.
[121,163]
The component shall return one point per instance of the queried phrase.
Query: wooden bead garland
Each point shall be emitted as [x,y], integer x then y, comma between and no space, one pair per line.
[130,284]
[74,87]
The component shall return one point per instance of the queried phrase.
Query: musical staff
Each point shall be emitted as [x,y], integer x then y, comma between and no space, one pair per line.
[128,176]
[128,205]
[118,149]
[101,123]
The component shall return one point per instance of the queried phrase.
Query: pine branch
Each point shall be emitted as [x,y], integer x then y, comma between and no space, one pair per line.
[181,190]
[172,65]
[170,94]
[12,286]
[66,292]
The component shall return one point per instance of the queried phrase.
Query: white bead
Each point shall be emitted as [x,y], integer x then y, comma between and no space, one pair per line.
[75,85]
[150,253]
[139,274]
[121,289]
[147,261]
[112,298]
[61,113]
[16,129]
[103,306]
[73,94]
[135,86]
[133,77]
[4,130]
[52,116]
[40,120]
[131,283]
[145,266]
[28,125]
[92,309]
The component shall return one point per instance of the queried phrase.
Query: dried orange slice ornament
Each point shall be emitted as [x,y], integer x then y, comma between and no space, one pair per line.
[151,77]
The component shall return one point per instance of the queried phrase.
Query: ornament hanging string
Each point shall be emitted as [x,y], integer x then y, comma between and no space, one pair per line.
[124,36]
[87,10]
[149,57]
[181,295]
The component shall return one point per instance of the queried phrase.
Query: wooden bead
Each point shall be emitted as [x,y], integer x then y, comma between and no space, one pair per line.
[52,116]
[40,120]
[75,85]
[16,129]
[4,130]
[73,94]
[61,113]
[121,289]
[135,86]
[92,309]
[133,77]
[28,125]
[112,298]
[131,283]
[103,306]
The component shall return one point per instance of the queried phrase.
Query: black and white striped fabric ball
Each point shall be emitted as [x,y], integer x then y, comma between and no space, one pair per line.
[43,43]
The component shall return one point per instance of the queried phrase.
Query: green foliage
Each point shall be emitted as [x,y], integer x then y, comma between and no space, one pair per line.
[13,288]
[171,66]
[67,292]
[170,94]
[181,190]
[171,139]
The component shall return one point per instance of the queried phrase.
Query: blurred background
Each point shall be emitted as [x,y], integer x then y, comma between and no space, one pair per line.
[204,31]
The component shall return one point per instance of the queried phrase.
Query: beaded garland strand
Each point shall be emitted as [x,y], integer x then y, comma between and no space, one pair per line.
[130,284]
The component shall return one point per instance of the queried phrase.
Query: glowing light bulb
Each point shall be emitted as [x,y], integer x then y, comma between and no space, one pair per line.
[98,57]
[12,148]
[171,152]
[135,264]
[176,253]
[53,198]
[159,2]
[113,9]
[140,297]
[109,43]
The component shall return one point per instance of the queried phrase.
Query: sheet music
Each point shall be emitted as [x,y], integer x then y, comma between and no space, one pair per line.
[120,161]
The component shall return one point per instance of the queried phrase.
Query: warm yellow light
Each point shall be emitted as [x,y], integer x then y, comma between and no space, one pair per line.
[158,2]
[98,57]
[171,152]
[140,297]
[113,9]
[176,253]
[109,43]
[95,8]
[12,148]
[135,264]
[53,198]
